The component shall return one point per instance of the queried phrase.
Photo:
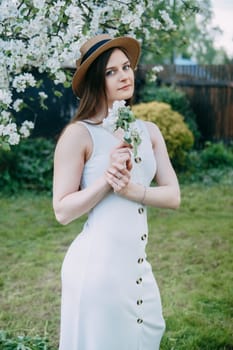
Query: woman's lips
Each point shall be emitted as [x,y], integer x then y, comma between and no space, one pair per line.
[125,87]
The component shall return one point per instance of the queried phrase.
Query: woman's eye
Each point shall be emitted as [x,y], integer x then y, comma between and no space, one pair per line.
[109,72]
[126,67]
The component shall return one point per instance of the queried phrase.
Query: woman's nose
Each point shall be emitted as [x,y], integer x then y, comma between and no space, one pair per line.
[123,74]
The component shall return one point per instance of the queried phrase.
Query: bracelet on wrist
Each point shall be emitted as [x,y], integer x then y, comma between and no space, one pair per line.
[144,196]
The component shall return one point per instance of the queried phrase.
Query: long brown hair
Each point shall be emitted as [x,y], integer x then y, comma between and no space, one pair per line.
[94,91]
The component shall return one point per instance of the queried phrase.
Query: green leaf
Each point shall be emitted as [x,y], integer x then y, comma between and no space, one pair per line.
[5,146]
[57,93]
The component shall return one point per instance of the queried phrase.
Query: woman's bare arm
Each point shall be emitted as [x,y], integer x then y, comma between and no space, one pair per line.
[73,149]
[69,202]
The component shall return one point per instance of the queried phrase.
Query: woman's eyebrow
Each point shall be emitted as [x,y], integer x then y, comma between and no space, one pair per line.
[114,67]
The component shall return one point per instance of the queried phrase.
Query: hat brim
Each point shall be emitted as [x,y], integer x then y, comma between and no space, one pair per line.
[130,45]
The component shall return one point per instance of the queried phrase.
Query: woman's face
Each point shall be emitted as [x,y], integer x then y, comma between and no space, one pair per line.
[119,78]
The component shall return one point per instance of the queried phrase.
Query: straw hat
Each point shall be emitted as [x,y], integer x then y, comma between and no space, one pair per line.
[95,47]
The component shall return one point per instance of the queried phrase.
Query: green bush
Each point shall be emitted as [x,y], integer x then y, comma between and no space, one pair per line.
[176,98]
[212,164]
[27,166]
[22,342]
[216,155]
[179,139]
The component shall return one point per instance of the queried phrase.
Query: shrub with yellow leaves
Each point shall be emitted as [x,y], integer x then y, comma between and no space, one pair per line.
[179,139]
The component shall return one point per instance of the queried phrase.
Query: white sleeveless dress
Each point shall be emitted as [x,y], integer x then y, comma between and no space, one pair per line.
[110,299]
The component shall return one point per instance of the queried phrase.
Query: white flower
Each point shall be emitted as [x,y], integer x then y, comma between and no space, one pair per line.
[109,123]
[43,95]
[155,23]
[21,81]
[152,74]
[38,3]
[25,128]
[169,24]
[9,129]
[5,97]
[115,107]
[60,77]
[5,117]
[24,131]
[4,81]
[157,69]
[28,124]
[14,138]
[17,104]
[152,78]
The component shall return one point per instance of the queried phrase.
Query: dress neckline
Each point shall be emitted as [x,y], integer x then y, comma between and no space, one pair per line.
[91,123]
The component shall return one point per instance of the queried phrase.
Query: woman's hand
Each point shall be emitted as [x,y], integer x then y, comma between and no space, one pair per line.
[121,155]
[118,173]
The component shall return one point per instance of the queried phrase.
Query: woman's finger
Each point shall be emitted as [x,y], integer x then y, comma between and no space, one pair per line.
[118,170]
[118,182]
[123,145]
[115,173]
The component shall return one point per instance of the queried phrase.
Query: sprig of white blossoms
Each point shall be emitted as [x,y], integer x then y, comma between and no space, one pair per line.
[10,134]
[22,81]
[121,116]
[153,73]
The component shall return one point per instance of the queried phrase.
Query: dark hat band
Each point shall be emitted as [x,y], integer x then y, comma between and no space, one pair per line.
[93,48]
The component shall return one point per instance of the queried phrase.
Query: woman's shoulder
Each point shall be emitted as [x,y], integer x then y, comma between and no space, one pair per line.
[154,132]
[75,137]
[75,131]
[151,127]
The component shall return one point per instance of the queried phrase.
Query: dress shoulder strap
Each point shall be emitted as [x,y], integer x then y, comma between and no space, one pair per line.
[142,126]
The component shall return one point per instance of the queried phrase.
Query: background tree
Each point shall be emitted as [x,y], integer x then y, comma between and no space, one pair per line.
[45,36]
[200,35]
[193,39]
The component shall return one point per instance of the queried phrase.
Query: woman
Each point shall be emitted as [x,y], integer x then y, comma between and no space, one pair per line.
[110,299]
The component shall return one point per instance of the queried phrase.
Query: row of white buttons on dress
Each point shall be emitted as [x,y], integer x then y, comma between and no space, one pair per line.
[140,259]
[139,280]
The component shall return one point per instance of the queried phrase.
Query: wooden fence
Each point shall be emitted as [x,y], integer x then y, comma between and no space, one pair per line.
[210,91]
[209,88]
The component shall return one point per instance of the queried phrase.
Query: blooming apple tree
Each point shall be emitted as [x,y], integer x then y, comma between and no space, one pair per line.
[45,35]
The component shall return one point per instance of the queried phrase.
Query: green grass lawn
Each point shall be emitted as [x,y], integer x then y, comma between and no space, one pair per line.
[190,251]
